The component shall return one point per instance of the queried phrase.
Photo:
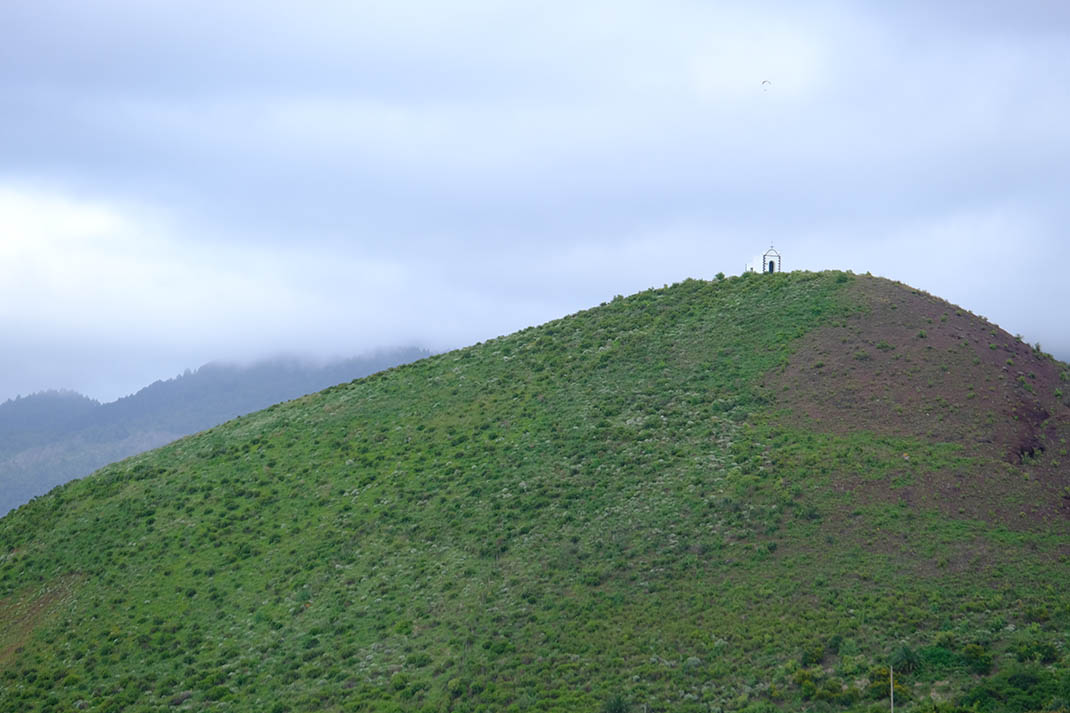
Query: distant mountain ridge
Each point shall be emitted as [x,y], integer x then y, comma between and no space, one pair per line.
[31,420]
[51,437]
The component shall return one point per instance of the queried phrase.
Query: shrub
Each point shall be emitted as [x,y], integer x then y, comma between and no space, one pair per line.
[938,657]
[1035,650]
[834,691]
[418,660]
[1017,689]
[812,654]
[181,698]
[977,659]
[1037,613]
[945,639]
[615,704]
[456,687]
[877,688]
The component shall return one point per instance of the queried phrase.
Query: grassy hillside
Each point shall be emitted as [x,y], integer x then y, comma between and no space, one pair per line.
[49,438]
[748,494]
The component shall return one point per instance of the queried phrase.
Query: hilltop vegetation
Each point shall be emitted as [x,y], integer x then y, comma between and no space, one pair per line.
[51,437]
[684,500]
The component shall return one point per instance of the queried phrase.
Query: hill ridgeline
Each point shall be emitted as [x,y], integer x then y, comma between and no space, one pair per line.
[750,494]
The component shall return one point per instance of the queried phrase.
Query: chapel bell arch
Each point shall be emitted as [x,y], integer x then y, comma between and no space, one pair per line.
[771,260]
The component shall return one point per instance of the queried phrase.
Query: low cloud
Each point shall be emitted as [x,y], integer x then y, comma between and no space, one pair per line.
[216,181]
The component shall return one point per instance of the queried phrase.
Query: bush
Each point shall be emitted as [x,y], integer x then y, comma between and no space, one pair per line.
[834,691]
[813,654]
[977,659]
[945,639]
[456,687]
[804,679]
[418,660]
[877,688]
[1016,690]
[939,657]
[615,704]
[1035,650]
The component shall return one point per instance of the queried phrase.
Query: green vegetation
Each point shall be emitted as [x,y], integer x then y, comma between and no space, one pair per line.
[49,438]
[615,511]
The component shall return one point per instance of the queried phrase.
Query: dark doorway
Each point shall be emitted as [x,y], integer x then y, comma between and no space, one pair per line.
[771,266]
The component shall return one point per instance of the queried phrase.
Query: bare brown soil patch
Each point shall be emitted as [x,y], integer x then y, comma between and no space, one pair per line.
[916,366]
[22,613]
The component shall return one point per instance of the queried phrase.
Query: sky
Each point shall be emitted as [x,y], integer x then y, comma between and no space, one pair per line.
[198,181]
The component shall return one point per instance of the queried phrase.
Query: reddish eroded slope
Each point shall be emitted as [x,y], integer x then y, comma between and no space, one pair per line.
[22,615]
[909,364]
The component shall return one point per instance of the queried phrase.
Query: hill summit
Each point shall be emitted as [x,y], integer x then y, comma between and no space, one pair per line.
[746,494]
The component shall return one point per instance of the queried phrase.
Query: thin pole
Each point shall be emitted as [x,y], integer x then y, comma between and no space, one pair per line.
[891,686]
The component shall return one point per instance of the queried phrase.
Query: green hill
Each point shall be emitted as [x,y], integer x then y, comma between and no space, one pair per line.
[49,438]
[746,494]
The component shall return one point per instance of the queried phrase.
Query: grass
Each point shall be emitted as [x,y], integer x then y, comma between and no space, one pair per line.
[607,512]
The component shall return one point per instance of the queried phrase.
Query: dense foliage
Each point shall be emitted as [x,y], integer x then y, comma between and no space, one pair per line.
[608,512]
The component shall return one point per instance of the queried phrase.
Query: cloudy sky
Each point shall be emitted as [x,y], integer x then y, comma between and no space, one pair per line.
[183,182]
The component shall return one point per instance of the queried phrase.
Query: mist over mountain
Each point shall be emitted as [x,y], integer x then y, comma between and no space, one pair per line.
[51,437]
